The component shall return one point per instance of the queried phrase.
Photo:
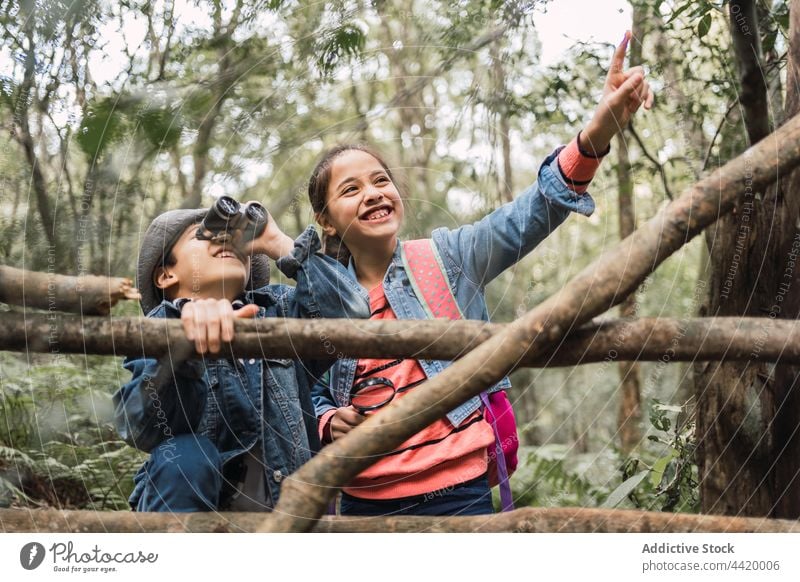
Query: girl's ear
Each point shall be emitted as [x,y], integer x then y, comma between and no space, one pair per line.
[327,227]
[164,278]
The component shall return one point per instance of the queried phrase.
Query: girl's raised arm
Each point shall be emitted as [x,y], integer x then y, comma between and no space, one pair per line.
[483,250]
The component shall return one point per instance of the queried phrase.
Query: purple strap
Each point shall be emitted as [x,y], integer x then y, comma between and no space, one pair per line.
[506,500]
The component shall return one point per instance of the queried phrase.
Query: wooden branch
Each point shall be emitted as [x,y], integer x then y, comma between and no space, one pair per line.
[89,294]
[600,286]
[526,520]
[647,339]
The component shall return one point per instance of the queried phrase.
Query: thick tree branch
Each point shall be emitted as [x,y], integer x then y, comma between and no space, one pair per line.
[90,294]
[527,520]
[657,339]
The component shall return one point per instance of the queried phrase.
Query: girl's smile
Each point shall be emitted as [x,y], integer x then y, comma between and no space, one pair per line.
[378,215]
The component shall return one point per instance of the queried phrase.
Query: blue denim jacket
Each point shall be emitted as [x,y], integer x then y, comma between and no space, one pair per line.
[473,255]
[239,403]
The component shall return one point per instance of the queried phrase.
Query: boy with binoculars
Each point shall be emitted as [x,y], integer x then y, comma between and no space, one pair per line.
[223,432]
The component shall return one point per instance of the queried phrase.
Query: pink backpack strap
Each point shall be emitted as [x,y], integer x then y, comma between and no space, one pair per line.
[428,278]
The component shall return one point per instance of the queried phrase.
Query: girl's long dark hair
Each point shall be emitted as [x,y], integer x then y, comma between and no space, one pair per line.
[318,184]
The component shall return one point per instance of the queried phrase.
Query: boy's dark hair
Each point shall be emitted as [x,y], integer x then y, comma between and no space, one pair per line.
[318,192]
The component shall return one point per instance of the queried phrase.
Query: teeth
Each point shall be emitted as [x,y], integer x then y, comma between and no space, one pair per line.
[378,214]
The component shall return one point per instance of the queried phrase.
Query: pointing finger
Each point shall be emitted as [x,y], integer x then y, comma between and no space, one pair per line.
[618,60]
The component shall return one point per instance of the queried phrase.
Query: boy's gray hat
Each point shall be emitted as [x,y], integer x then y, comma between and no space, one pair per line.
[157,243]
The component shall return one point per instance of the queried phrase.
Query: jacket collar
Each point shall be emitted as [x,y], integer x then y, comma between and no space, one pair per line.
[397,261]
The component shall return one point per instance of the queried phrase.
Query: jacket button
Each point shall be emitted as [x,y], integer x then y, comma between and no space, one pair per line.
[277,475]
[251,361]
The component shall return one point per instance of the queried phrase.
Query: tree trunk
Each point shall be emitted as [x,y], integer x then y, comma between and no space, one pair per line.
[753,95]
[748,449]
[501,112]
[22,133]
[629,415]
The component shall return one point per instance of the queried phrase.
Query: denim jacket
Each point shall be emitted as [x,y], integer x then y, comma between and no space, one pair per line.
[473,255]
[239,403]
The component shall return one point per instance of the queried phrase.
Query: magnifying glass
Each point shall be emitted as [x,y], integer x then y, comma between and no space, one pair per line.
[371,394]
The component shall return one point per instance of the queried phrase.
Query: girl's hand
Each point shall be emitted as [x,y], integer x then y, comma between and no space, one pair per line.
[344,420]
[208,322]
[624,92]
[272,242]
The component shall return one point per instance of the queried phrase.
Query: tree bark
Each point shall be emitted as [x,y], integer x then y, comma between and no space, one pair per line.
[753,94]
[629,416]
[501,111]
[22,134]
[527,520]
[748,447]
[89,295]
[657,339]
[596,289]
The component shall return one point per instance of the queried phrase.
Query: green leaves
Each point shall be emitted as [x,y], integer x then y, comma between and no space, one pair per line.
[704,25]
[101,126]
[108,121]
[342,43]
[699,11]
[657,473]
[161,127]
[626,488]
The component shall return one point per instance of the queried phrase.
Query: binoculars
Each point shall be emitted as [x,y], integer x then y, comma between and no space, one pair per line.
[227,216]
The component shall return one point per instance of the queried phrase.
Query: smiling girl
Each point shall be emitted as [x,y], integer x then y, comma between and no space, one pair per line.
[442,470]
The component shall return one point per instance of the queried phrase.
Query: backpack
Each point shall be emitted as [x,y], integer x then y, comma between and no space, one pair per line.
[429,280]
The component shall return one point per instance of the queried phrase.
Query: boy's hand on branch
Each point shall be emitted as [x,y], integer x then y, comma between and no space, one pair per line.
[272,242]
[209,322]
[624,92]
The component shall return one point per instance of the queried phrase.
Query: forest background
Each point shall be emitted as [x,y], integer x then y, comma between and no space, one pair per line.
[115,112]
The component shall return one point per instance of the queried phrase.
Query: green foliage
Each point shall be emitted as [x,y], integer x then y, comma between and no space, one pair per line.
[343,43]
[102,126]
[57,442]
[659,477]
[670,468]
[548,476]
[162,127]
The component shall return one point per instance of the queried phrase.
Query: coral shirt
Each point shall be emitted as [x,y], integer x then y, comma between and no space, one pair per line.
[435,458]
